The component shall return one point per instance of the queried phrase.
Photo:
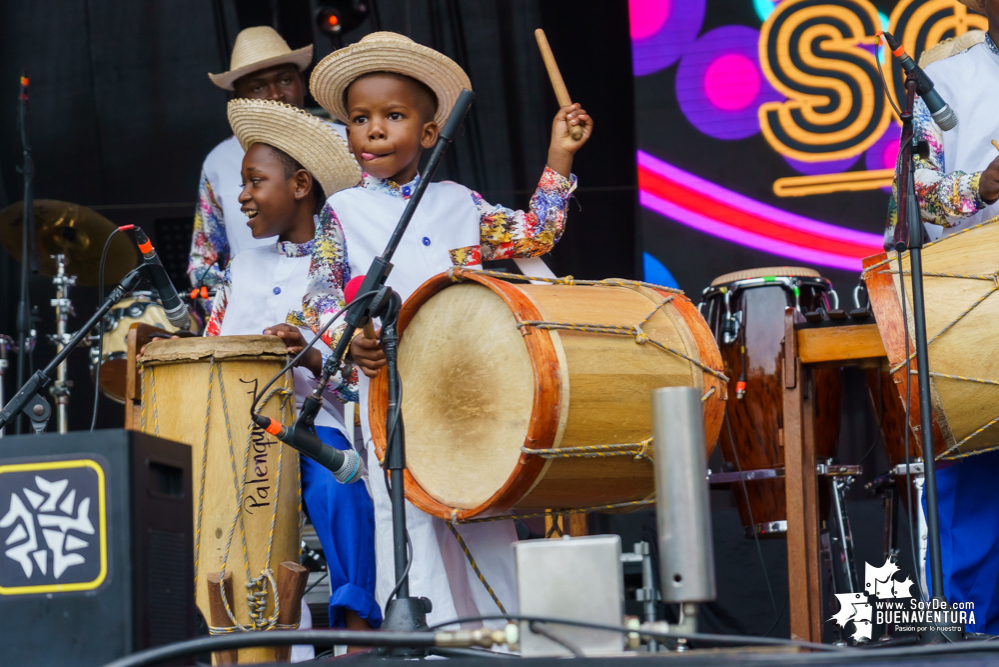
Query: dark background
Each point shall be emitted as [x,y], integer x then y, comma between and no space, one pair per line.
[122,115]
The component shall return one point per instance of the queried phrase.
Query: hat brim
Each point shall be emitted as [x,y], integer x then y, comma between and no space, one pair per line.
[977,5]
[301,58]
[308,139]
[334,73]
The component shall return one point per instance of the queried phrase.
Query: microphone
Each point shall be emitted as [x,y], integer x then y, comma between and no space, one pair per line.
[176,310]
[942,114]
[346,465]
[349,294]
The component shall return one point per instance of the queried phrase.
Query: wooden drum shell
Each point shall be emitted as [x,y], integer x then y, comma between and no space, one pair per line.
[175,379]
[757,419]
[589,389]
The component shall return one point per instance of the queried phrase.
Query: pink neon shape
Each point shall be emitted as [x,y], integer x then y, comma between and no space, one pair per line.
[647,16]
[731,82]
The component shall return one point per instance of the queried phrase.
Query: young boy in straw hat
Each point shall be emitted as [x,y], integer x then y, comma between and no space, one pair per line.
[262,67]
[292,158]
[394,96]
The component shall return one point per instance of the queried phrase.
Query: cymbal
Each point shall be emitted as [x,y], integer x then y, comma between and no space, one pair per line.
[72,230]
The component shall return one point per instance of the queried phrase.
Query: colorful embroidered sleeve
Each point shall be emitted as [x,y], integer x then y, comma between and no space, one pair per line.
[328,273]
[507,233]
[221,302]
[945,198]
[209,238]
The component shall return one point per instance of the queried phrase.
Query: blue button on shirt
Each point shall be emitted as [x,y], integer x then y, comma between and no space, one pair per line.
[426,240]
[277,290]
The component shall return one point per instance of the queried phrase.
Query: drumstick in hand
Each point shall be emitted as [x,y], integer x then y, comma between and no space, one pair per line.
[996,144]
[561,92]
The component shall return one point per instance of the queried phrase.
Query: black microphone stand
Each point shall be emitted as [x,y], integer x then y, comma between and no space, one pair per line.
[908,234]
[29,253]
[402,612]
[27,399]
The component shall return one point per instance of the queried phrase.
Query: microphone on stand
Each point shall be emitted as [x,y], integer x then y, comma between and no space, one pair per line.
[176,310]
[346,465]
[942,114]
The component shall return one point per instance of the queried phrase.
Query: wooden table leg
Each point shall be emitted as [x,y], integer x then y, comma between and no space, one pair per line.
[219,617]
[291,581]
[800,490]
[811,507]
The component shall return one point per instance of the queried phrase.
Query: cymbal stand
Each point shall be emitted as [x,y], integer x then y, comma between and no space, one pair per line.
[63,308]
[6,343]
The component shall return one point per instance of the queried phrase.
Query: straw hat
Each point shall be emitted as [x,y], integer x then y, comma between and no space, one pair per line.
[977,5]
[308,139]
[387,52]
[259,48]
[951,47]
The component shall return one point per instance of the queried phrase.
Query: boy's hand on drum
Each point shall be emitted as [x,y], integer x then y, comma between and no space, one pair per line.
[142,351]
[295,342]
[988,183]
[367,354]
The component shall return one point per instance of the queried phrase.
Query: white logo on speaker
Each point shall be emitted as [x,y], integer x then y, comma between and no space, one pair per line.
[43,526]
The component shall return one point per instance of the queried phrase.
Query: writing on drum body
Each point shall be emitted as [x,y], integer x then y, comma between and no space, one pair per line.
[258,490]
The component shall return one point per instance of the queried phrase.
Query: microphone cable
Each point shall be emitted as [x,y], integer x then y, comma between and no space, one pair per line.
[100,325]
[358,300]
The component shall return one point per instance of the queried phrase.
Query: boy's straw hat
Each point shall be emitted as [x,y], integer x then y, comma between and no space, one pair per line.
[308,139]
[259,48]
[977,5]
[387,52]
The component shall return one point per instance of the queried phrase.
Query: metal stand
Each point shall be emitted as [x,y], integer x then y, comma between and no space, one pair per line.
[64,308]
[27,399]
[29,254]
[908,235]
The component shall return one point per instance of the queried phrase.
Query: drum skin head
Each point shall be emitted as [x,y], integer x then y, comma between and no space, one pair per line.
[468,394]
[220,347]
[747,274]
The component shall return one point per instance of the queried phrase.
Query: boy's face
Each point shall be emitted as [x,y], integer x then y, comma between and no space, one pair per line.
[387,131]
[268,198]
[281,83]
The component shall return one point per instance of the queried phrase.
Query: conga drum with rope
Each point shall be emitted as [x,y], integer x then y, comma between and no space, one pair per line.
[529,397]
[247,501]
[745,310]
[960,281]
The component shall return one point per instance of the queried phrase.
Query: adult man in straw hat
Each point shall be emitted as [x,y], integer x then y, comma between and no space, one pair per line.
[262,67]
[958,186]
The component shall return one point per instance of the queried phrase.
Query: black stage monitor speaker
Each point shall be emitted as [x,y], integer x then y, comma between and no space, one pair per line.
[95,546]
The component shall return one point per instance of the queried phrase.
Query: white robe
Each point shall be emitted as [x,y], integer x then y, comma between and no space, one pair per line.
[446,219]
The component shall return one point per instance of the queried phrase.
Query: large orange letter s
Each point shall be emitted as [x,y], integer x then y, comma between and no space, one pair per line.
[813,51]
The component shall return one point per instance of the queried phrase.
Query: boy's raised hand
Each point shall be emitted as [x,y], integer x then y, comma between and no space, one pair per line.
[563,146]
[295,342]
[367,354]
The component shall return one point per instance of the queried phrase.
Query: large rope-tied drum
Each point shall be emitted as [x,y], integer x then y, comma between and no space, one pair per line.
[530,397]
[247,500]
[960,282]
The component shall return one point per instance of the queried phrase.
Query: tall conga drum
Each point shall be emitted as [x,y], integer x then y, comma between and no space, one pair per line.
[960,274]
[528,397]
[745,310]
[246,483]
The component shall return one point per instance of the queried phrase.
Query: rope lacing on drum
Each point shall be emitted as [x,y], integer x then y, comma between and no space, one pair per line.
[990,277]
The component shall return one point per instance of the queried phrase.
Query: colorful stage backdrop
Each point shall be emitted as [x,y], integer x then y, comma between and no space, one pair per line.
[765,136]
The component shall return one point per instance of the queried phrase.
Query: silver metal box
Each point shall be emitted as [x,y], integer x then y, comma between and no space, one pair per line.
[578,578]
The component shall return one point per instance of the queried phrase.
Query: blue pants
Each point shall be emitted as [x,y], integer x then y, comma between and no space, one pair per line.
[968,498]
[344,519]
